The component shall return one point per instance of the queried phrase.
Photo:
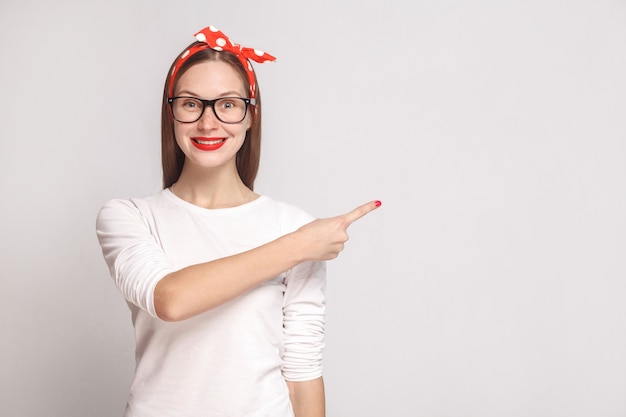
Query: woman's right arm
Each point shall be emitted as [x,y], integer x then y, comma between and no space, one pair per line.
[147,278]
[198,288]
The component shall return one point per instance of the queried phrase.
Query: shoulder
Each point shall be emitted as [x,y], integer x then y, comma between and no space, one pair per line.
[128,208]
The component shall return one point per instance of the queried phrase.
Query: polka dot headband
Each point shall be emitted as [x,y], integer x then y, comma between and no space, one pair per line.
[210,37]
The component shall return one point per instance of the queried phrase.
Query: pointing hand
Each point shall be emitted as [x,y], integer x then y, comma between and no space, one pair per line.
[323,239]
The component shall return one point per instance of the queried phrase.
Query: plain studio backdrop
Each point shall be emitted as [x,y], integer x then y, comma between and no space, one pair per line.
[491,282]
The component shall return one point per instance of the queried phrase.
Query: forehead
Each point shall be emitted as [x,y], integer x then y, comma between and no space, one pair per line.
[211,79]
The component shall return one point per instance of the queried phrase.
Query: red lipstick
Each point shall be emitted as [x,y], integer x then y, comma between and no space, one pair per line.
[208,144]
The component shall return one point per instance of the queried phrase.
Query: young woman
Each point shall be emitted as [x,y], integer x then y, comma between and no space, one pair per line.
[225,286]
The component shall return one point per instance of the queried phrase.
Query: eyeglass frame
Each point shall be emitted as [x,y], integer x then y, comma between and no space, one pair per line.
[211,104]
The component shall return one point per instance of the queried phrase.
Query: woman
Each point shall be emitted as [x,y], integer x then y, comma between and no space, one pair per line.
[226,287]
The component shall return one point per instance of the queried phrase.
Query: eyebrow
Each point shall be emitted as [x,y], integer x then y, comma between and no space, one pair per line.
[231,93]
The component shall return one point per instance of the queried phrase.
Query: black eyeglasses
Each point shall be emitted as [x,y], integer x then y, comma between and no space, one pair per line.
[229,110]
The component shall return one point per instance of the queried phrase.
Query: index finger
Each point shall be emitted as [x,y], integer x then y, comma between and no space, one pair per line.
[361,211]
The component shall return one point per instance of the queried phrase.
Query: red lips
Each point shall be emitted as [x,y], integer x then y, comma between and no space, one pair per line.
[208,144]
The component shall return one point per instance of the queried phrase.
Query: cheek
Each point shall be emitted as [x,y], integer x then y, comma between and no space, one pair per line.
[176,131]
[239,130]
[179,132]
[240,134]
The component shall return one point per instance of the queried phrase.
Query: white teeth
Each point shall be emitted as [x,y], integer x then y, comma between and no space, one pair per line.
[209,142]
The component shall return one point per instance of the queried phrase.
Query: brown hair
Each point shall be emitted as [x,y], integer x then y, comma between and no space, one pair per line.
[172,158]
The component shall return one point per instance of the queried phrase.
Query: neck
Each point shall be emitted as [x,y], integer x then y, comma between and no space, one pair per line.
[215,189]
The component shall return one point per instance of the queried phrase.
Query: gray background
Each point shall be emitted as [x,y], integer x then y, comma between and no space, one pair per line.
[490,283]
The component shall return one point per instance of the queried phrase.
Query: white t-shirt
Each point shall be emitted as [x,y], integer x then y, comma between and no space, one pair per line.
[231,361]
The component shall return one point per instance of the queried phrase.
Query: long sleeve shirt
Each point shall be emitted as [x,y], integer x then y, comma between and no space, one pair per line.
[232,360]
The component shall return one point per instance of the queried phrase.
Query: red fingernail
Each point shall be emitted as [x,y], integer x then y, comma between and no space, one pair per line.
[378,203]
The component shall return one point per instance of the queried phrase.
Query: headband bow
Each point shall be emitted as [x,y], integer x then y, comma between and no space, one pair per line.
[211,37]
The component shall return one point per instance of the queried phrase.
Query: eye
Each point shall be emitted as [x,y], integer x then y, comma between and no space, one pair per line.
[228,104]
[190,104]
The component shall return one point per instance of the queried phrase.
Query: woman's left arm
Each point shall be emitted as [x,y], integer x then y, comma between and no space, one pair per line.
[308,398]
[303,338]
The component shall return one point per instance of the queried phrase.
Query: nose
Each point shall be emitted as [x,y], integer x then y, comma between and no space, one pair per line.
[208,120]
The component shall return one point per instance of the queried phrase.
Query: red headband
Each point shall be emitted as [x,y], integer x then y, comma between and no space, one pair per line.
[210,37]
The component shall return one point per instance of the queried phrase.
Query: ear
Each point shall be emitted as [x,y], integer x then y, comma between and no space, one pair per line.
[252,116]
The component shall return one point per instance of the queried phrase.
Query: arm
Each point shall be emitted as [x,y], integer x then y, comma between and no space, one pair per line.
[190,291]
[201,287]
[308,398]
[304,311]
[146,277]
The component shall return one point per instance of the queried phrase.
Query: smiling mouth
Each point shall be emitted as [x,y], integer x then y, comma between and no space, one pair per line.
[208,142]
